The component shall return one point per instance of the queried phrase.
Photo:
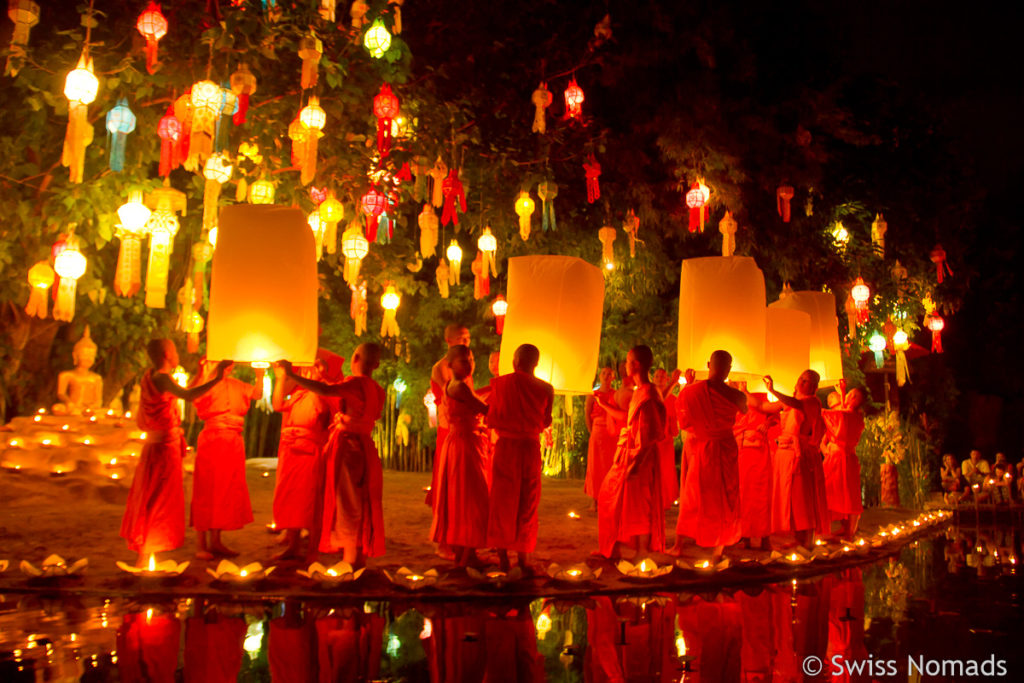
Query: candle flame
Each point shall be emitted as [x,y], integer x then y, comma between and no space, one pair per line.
[646,566]
[794,557]
[152,562]
[244,573]
[574,572]
[149,615]
[706,564]
[414,577]
[331,572]
[573,515]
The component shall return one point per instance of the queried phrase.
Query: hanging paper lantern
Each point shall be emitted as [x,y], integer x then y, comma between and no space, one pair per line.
[372,204]
[40,279]
[499,308]
[385,108]
[481,280]
[193,326]
[878,229]
[316,224]
[631,226]
[454,197]
[727,226]
[169,130]
[313,117]
[69,266]
[331,213]
[592,171]
[488,246]
[396,13]
[299,134]
[936,324]
[153,26]
[311,49]
[877,346]
[327,10]
[573,100]
[133,215]
[261,192]
[206,104]
[901,342]
[541,99]
[783,195]
[428,223]
[547,191]
[938,257]
[861,294]
[840,236]
[165,203]
[353,247]
[120,122]
[358,307]
[80,88]
[437,175]
[696,201]
[607,236]
[377,39]
[524,209]
[454,254]
[217,171]
[441,276]
[202,252]
[389,301]
[25,15]
[243,84]
[358,12]
[430,403]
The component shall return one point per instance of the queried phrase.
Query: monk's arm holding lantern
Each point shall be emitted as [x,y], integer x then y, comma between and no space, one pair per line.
[349,389]
[787,401]
[167,385]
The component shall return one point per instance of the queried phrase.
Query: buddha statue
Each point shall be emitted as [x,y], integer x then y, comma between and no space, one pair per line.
[80,390]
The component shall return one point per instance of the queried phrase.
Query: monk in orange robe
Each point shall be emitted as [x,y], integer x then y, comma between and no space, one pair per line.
[353,518]
[629,506]
[484,393]
[709,504]
[147,645]
[291,646]
[667,447]
[755,466]
[462,499]
[519,410]
[601,446]
[154,517]
[798,479]
[844,424]
[220,496]
[349,646]
[213,647]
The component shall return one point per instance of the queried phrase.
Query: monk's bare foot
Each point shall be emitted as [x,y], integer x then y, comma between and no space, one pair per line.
[446,554]
[223,550]
[204,555]
[675,551]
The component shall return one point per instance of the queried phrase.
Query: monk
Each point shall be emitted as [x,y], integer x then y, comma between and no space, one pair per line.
[220,496]
[154,517]
[461,496]
[147,646]
[667,446]
[213,646]
[629,506]
[844,424]
[352,519]
[709,504]
[752,431]
[493,365]
[798,479]
[601,446]
[520,409]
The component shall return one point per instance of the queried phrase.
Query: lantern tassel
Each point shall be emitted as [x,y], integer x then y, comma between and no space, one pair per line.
[481,280]
[211,195]
[548,216]
[358,307]
[389,325]
[592,170]
[309,161]
[128,279]
[902,369]
[442,275]
[78,136]
[64,307]
[383,135]
[151,55]
[936,341]
[243,107]
[156,269]
[384,229]
[38,305]
[118,143]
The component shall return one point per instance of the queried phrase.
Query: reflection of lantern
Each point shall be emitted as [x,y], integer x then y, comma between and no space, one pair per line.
[80,88]
[193,326]
[524,209]
[385,108]
[787,346]
[331,212]
[696,201]
[499,308]
[263,287]
[936,324]
[261,192]
[877,346]
[454,253]
[825,358]
[428,223]
[430,402]
[40,278]
[69,266]
[120,122]
[133,215]
[372,204]
[389,302]
[243,84]
[556,304]
[722,306]
[727,226]
[153,26]
[783,195]
[861,294]
[313,117]
[311,49]
[377,39]
[573,100]
[217,171]
[606,235]
[353,247]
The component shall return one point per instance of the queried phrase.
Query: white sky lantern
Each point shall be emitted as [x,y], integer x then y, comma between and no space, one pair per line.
[787,348]
[824,340]
[556,304]
[722,306]
[263,287]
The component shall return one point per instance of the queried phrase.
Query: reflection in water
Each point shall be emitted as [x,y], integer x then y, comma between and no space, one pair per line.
[951,596]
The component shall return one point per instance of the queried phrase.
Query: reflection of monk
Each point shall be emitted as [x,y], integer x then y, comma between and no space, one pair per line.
[713,634]
[213,648]
[846,621]
[453,637]
[290,650]
[147,647]
[757,652]
[348,646]
[844,425]
[511,646]
[80,389]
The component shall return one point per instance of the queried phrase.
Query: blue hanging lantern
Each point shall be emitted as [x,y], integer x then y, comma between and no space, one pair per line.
[120,122]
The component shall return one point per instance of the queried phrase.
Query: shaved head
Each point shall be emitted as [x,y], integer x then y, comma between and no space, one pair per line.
[720,365]
[644,356]
[456,333]
[526,358]
[160,350]
[366,359]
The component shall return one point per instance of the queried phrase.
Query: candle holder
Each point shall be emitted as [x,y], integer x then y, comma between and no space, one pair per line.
[495,577]
[645,570]
[4,564]
[229,572]
[155,570]
[54,567]
[704,566]
[333,576]
[793,558]
[577,573]
[410,580]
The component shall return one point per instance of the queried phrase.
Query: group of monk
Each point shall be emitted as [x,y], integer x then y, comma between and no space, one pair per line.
[750,467]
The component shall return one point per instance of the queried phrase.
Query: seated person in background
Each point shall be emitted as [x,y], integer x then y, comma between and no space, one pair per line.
[975,468]
[954,486]
[999,485]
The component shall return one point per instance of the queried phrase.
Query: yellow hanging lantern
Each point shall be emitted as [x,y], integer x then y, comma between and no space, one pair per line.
[354,247]
[841,236]
[524,209]
[133,215]
[900,342]
[40,277]
[25,15]
[377,39]
[878,229]
[207,104]
[390,301]
[316,224]
[442,275]
[331,213]
[607,236]
[193,326]
[166,203]
[311,49]
[217,171]
[488,246]
[313,117]
[261,192]
[80,87]
[454,254]
[428,223]
[69,265]
[727,226]
[243,85]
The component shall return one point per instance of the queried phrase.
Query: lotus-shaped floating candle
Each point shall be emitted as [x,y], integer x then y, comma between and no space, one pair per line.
[407,578]
[229,572]
[332,576]
[704,566]
[4,564]
[573,574]
[54,566]
[495,577]
[645,569]
[155,570]
[793,557]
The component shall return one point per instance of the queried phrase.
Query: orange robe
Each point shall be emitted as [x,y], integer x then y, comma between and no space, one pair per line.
[843,429]
[154,517]
[755,470]
[630,502]
[709,504]
[220,496]
[353,515]
[290,650]
[846,622]
[213,649]
[300,459]
[667,454]
[757,651]
[520,409]
[147,648]
[511,646]
[600,447]
[798,481]
[713,633]
[461,499]
[349,646]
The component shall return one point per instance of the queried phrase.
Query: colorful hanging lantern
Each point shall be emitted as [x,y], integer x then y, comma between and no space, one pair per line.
[573,100]
[316,224]
[202,253]
[80,88]
[430,403]
[454,254]
[441,276]
[727,226]
[25,15]
[488,246]
[631,226]
[783,196]
[311,49]
[878,229]
[396,13]
[524,209]
[592,171]
[133,215]
[331,212]
[901,342]
[481,280]
[429,224]
[120,122]
[850,306]
[840,236]
[385,108]
[437,175]
[166,203]
[696,201]
[936,324]
[861,294]
[40,279]
[261,192]
[607,237]
[547,191]
[169,130]
[298,134]
[389,301]
[541,99]
[217,171]
[243,84]
[153,26]
[313,117]
[372,204]
[354,247]
[377,39]
[69,266]
[192,327]
[499,308]
[877,346]
[938,257]
[206,103]
[453,192]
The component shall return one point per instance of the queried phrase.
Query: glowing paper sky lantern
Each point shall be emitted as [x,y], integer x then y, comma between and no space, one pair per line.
[133,215]
[80,88]
[377,39]
[153,26]
[555,303]
[524,209]
[263,287]
[787,346]
[722,306]
[69,265]
[40,278]
[825,358]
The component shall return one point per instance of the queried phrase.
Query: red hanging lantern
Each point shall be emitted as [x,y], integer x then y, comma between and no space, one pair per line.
[696,200]
[453,192]
[153,26]
[573,100]
[783,195]
[936,324]
[385,108]
[861,294]
[499,308]
[243,84]
[592,170]
[938,257]
[372,204]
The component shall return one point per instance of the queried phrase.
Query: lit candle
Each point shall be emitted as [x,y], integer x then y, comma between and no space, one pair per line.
[244,573]
[706,564]
[152,562]
[646,566]
[331,572]
[110,413]
[574,573]
[128,414]
[46,442]
[92,419]
[64,427]
[113,461]
[36,418]
[13,443]
[794,557]
[573,515]
[114,475]
[87,441]
[414,577]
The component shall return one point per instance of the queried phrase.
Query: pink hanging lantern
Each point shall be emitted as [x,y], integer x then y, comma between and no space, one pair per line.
[372,204]
[385,108]
[783,195]
[695,201]
[936,324]
[153,26]
[574,100]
